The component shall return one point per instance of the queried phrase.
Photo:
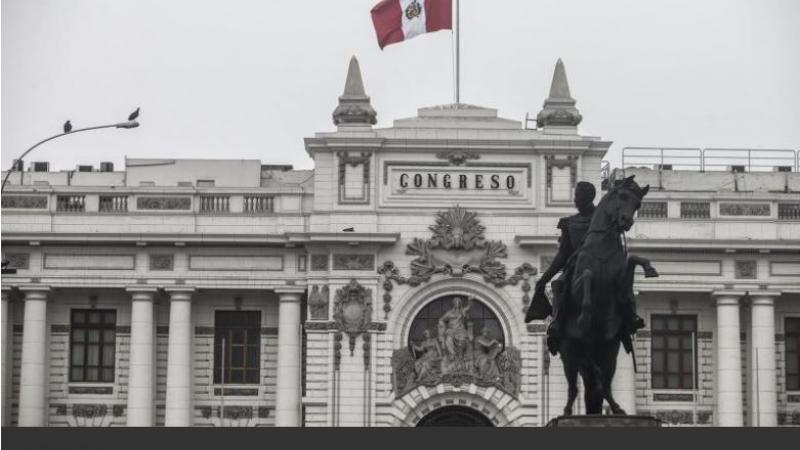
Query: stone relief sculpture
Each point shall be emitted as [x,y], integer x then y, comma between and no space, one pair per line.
[352,310]
[318,303]
[454,355]
[456,248]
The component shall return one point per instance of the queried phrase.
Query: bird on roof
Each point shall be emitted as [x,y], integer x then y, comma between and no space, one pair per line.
[134,115]
[67,127]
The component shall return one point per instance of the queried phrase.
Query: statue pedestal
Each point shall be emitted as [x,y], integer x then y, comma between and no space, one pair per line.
[604,421]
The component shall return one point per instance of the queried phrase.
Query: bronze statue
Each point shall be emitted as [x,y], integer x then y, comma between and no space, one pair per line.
[595,301]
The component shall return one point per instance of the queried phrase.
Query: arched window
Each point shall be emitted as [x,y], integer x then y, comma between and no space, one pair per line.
[479,316]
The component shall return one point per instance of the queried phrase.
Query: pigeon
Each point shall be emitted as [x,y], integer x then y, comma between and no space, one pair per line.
[349,230]
[67,127]
[134,115]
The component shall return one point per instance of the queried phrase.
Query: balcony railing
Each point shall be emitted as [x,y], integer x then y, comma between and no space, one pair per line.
[695,210]
[258,204]
[789,211]
[653,210]
[71,203]
[113,203]
[211,204]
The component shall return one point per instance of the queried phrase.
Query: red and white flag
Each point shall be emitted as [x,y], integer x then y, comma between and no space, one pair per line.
[398,20]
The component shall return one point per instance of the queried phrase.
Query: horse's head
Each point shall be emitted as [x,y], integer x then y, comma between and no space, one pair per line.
[624,199]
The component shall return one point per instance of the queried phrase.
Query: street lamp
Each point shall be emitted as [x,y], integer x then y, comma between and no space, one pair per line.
[128,124]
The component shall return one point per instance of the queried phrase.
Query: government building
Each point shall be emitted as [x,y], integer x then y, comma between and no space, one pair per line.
[388,286]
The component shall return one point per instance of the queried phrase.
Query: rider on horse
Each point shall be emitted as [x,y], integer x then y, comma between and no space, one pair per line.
[573,232]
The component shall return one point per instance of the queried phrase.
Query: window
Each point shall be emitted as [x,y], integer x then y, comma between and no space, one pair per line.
[241,331]
[92,345]
[673,355]
[792,328]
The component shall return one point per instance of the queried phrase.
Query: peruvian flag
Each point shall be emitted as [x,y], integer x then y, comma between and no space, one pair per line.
[398,20]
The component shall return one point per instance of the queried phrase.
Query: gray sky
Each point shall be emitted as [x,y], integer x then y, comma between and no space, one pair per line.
[250,79]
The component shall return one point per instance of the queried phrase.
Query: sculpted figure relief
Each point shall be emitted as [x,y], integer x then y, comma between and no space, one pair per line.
[428,355]
[454,354]
[486,350]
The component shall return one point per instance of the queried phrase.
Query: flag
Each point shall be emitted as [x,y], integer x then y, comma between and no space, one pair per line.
[398,20]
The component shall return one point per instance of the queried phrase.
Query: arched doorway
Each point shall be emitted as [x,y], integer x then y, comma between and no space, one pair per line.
[455,416]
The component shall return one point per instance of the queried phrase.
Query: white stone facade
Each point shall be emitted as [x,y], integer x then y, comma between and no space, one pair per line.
[166,243]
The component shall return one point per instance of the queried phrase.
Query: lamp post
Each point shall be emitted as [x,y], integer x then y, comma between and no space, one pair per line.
[130,123]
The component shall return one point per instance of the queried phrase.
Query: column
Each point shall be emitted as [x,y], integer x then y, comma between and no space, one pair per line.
[623,386]
[287,395]
[179,359]
[764,397]
[729,360]
[141,373]
[33,382]
[6,357]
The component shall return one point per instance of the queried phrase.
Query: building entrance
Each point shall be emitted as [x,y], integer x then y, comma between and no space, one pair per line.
[455,416]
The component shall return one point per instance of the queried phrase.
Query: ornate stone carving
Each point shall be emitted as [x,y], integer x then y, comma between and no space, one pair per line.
[235,412]
[18,260]
[746,270]
[789,418]
[346,159]
[89,411]
[559,108]
[454,356]
[164,203]
[353,262]
[162,262]
[318,301]
[24,201]
[457,247]
[704,417]
[319,262]
[457,157]
[118,410]
[354,106]
[675,417]
[352,310]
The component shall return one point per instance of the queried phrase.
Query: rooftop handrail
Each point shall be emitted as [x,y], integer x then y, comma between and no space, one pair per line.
[711,159]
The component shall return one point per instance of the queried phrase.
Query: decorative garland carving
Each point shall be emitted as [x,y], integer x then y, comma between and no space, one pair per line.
[457,247]
[458,157]
[352,310]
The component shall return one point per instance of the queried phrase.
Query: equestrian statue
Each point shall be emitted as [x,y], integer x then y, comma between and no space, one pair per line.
[593,310]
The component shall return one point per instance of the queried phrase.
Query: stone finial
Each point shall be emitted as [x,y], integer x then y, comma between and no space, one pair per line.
[354,105]
[559,108]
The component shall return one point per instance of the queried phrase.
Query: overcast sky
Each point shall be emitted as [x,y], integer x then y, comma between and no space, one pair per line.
[250,79]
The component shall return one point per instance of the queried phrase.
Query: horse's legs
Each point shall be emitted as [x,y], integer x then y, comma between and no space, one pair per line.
[609,358]
[584,281]
[592,388]
[569,360]
[596,406]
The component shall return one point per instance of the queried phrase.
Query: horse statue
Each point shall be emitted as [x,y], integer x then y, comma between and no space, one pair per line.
[599,299]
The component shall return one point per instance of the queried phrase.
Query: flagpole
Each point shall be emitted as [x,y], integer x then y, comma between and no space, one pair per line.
[458,54]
